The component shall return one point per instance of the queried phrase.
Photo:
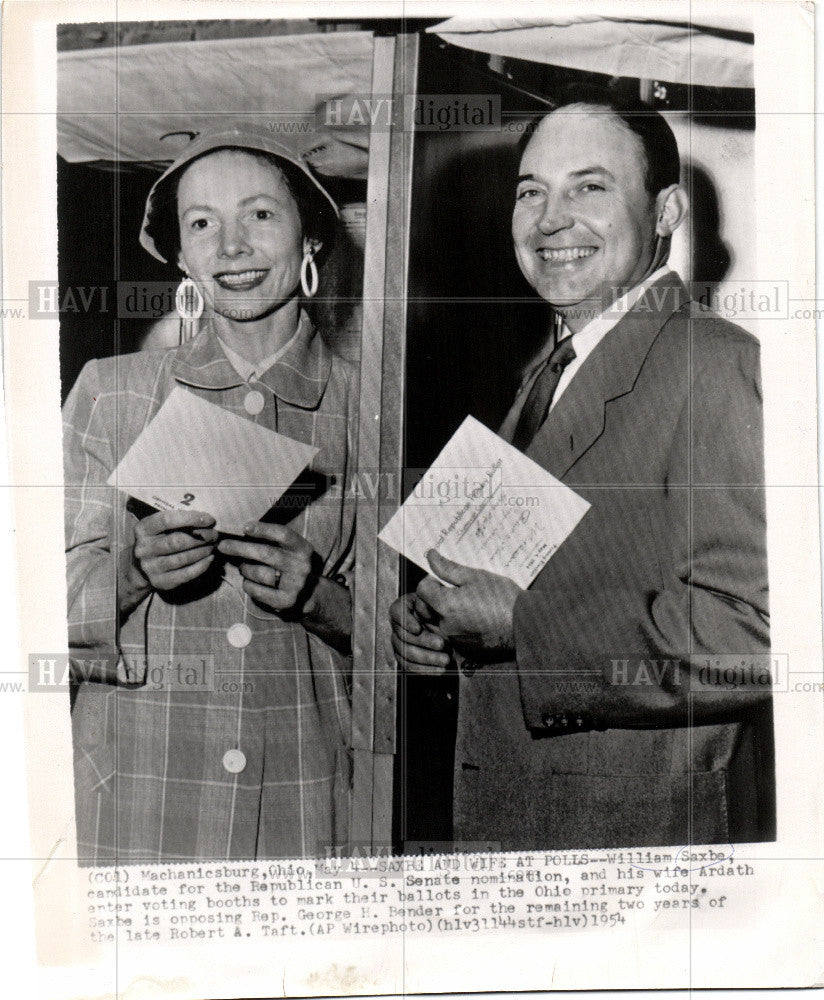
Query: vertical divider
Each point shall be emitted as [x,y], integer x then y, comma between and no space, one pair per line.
[365,597]
[391,485]
[380,441]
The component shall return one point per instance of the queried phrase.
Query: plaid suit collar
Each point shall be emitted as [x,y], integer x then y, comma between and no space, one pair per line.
[299,376]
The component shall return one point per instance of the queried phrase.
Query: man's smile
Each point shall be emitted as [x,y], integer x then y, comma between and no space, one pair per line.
[564,255]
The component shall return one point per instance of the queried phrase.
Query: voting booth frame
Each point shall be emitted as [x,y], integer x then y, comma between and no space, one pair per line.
[418,380]
[380,446]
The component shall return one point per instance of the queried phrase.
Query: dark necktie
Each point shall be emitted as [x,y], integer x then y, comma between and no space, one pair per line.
[540,395]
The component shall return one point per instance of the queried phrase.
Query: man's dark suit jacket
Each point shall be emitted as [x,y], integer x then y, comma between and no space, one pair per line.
[603,732]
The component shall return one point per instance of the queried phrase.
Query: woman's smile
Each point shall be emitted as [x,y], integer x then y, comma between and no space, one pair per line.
[241,281]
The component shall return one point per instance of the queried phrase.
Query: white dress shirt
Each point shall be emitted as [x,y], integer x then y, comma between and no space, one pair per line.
[587,339]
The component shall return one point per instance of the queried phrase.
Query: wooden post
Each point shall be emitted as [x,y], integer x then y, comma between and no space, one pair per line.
[380,444]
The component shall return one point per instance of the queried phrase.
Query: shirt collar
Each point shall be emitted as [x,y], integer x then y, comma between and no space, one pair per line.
[609,318]
[600,325]
[245,368]
[298,375]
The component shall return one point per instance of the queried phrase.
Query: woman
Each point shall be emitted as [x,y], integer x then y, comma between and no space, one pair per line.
[252,761]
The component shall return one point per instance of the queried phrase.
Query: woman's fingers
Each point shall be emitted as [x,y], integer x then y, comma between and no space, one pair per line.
[271,597]
[165,563]
[173,547]
[278,534]
[171,520]
[168,571]
[176,578]
[152,546]
[277,569]
[289,585]
[261,552]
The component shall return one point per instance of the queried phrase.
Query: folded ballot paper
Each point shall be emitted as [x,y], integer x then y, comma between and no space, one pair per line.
[197,456]
[486,505]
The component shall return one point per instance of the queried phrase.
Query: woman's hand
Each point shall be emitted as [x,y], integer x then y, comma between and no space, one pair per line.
[417,647]
[277,565]
[171,547]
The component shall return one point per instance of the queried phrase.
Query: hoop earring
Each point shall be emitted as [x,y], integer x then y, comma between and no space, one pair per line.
[188,300]
[309,286]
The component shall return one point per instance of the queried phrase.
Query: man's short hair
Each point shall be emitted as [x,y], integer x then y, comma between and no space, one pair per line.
[657,138]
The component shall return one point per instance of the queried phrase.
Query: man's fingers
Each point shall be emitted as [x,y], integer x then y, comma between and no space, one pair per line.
[402,614]
[423,671]
[423,612]
[448,570]
[432,593]
[413,658]
[423,639]
[294,567]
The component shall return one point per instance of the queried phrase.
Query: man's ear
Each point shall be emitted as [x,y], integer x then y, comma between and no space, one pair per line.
[181,264]
[671,206]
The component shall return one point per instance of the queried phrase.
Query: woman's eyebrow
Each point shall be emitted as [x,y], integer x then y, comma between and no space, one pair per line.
[243,201]
[257,197]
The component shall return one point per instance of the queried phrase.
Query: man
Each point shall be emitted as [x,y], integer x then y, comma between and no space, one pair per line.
[621,699]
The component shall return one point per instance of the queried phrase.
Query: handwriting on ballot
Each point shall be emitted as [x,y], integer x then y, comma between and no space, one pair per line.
[486,505]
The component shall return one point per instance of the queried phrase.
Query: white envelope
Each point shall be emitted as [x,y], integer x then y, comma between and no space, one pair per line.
[197,456]
[484,504]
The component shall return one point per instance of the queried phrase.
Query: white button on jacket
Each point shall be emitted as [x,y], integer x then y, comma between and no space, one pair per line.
[234,761]
[254,402]
[239,635]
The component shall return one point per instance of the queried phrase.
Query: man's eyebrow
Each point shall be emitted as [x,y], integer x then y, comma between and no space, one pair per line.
[575,173]
[593,170]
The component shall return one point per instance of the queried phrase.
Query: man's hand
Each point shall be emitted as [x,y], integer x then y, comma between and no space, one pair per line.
[477,612]
[418,649]
[276,563]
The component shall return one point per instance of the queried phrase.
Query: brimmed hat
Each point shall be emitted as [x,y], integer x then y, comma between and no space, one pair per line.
[238,136]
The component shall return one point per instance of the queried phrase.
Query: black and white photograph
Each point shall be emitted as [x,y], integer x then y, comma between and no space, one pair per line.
[423,490]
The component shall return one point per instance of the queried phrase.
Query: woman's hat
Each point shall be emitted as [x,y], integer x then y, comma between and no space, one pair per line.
[238,136]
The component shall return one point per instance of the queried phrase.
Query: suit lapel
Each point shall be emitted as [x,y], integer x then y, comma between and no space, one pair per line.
[611,370]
